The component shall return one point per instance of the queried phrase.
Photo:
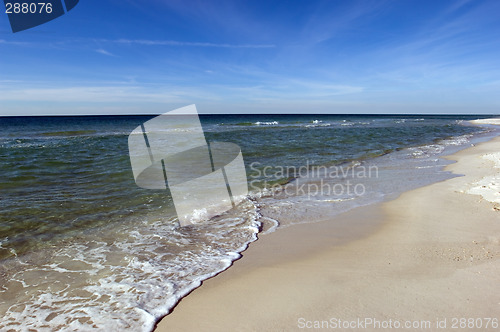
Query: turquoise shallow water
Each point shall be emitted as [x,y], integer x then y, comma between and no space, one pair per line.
[83,247]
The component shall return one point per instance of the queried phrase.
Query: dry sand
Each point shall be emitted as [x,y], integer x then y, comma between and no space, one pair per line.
[431,254]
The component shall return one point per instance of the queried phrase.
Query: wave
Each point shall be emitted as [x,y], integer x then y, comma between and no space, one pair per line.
[268,123]
[69,133]
[144,267]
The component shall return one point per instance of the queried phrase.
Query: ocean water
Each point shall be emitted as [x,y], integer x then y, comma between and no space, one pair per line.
[83,248]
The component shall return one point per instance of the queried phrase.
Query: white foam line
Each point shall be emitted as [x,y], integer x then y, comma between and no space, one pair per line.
[273,228]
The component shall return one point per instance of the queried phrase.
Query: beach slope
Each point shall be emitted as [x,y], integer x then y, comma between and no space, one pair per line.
[429,258]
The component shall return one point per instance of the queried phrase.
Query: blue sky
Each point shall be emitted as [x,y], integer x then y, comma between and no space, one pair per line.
[138,56]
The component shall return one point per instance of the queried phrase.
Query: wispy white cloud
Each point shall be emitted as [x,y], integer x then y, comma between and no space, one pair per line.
[456,5]
[326,88]
[323,24]
[278,90]
[103,51]
[8,42]
[449,50]
[144,42]
[185,43]
[103,94]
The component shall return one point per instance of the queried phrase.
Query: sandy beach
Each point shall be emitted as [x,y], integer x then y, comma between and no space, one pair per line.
[429,259]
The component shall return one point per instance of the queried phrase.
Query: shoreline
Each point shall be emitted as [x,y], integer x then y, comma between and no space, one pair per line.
[396,268]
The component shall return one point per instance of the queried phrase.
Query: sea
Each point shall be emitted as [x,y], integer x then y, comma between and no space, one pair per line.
[83,248]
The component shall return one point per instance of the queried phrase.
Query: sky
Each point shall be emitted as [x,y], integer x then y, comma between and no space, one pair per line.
[152,56]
